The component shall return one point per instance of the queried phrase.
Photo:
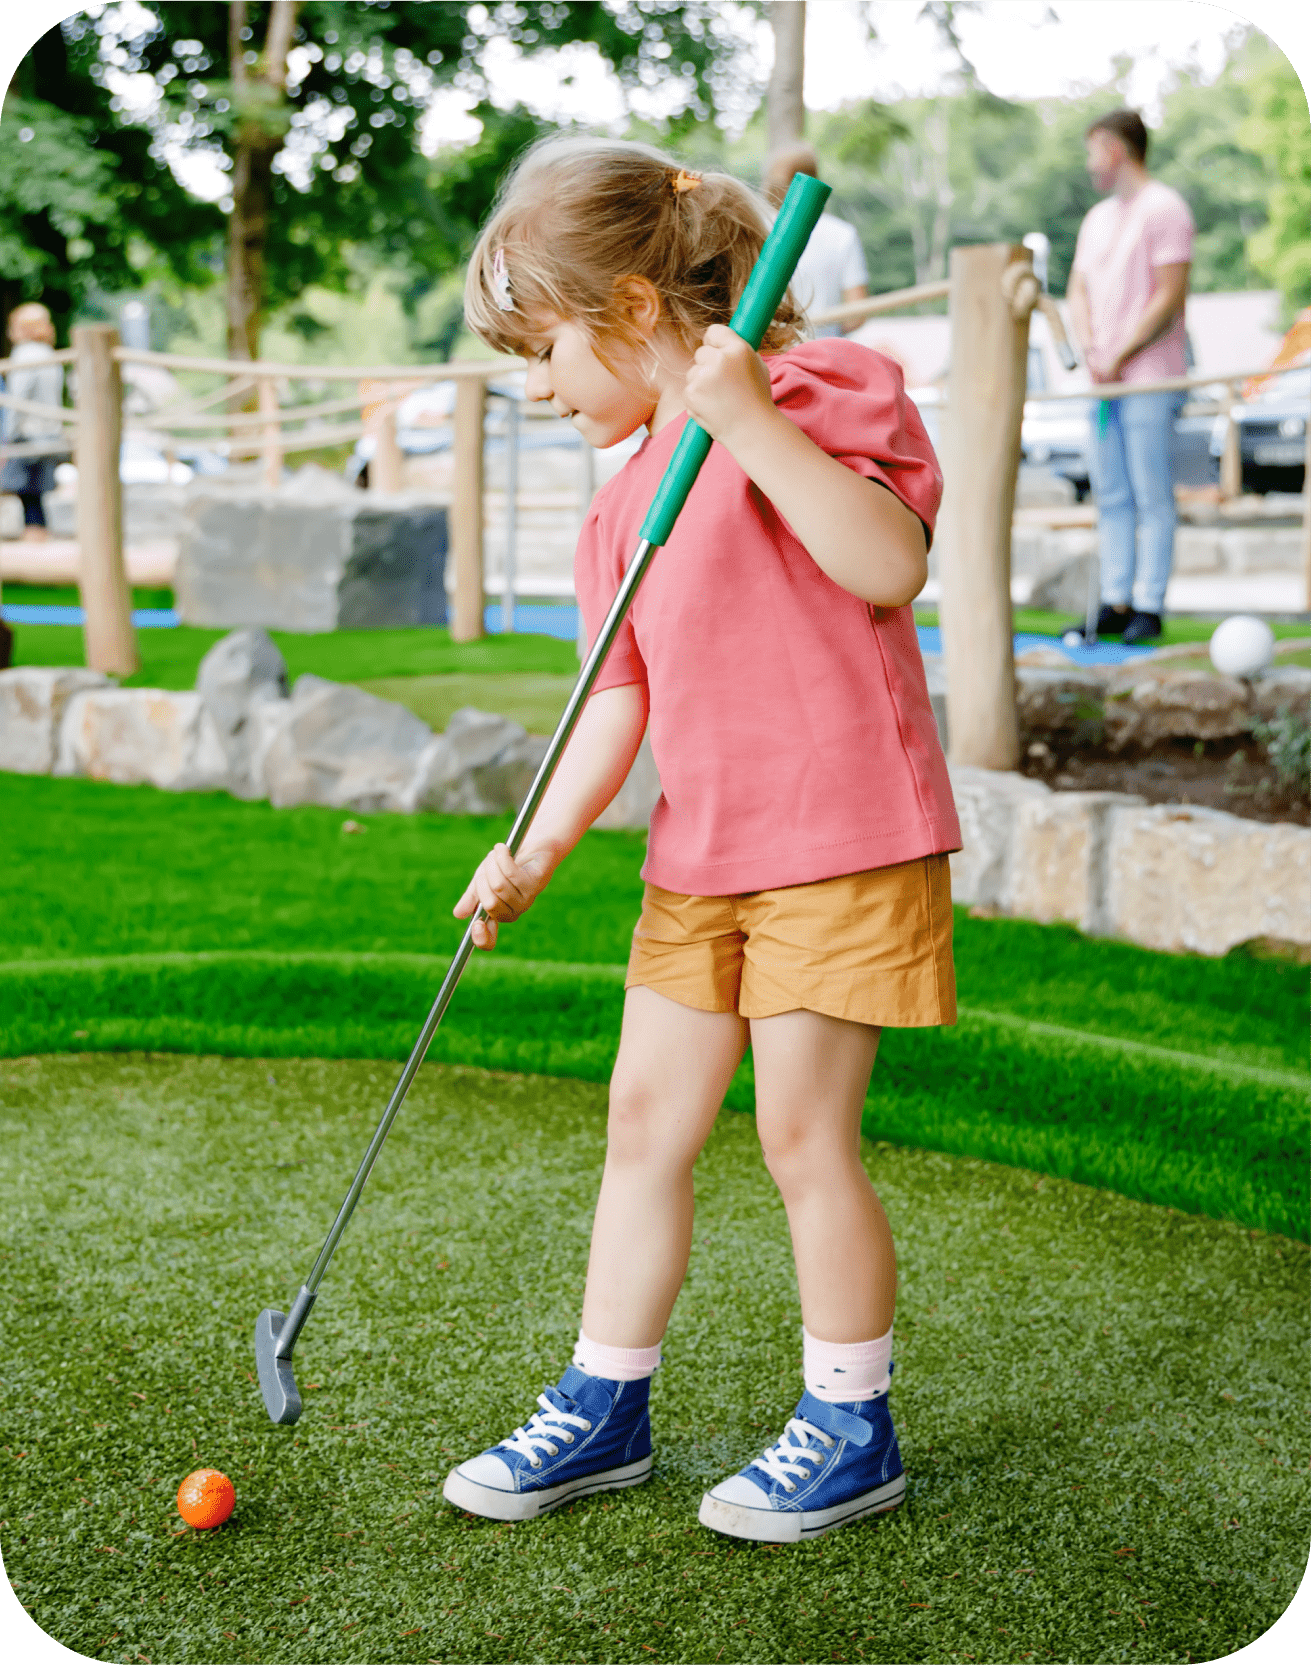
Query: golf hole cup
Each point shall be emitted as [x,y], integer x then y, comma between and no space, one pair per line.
[206,1499]
[1242,645]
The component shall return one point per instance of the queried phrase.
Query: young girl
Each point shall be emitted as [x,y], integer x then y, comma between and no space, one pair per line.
[797,892]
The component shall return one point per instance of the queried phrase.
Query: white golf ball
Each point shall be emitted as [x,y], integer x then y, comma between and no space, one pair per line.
[1242,645]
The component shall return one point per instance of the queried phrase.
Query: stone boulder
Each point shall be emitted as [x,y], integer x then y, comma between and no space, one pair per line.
[134,735]
[1057,866]
[245,669]
[335,744]
[1059,698]
[1282,688]
[33,700]
[339,559]
[1148,704]
[482,765]
[1199,880]
[987,802]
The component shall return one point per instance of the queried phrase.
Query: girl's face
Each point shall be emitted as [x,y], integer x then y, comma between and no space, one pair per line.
[604,406]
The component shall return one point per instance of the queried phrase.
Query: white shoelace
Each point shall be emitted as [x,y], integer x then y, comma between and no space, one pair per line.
[543,1430]
[792,1457]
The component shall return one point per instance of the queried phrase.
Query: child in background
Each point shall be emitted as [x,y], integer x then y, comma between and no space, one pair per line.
[32,339]
[797,889]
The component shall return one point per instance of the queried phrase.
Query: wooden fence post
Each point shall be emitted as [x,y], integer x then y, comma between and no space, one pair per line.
[268,404]
[467,509]
[385,464]
[981,457]
[106,599]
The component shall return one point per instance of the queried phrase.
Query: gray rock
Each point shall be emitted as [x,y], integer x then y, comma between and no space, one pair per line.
[1056,698]
[334,744]
[1157,703]
[245,669]
[134,735]
[1061,586]
[484,765]
[348,560]
[33,700]
[986,802]
[1283,688]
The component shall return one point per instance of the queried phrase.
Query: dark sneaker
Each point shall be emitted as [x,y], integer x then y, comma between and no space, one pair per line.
[588,1435]
[834,1464]
[1142,627]
[1110,622]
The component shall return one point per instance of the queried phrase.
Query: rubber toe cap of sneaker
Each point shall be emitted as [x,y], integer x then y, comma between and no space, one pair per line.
[487,1470]
[738,1489]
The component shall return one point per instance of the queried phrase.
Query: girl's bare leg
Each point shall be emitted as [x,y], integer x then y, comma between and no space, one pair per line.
[670,1077]
[811,1076]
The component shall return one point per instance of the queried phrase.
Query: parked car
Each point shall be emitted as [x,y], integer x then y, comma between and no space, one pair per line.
[1271,433]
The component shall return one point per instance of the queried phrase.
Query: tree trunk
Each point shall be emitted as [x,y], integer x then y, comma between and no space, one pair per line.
[785,108]
[257,91]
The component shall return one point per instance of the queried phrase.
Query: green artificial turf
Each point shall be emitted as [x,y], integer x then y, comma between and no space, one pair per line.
[170,658]
[1101,1405]
[537,702]
[1210,1135]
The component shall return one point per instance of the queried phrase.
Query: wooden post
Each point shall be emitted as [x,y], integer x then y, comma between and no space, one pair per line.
[467,509]
[385,464]
[981,459]
[1306,520]
[106,599]
[268,404]
[1231,458]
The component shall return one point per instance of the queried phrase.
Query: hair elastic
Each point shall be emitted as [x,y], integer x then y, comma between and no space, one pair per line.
[684,181]
[501,282]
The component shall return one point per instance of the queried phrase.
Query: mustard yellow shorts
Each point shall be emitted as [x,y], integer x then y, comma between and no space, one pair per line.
[871,947]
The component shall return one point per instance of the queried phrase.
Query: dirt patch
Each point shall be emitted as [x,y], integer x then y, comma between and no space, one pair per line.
[1233,774]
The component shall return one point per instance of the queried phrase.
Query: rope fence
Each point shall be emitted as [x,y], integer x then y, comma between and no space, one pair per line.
[990,285]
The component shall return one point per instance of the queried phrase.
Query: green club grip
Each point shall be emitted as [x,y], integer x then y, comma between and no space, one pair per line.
[765,289]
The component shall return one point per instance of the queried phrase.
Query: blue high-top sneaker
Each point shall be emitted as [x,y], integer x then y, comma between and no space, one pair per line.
[834,1465]
[588,1435]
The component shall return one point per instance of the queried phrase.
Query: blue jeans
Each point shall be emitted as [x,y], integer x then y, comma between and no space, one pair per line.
[1134,488]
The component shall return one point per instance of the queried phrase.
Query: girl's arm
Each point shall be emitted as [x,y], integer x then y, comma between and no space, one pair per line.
[594,766]
[860,534]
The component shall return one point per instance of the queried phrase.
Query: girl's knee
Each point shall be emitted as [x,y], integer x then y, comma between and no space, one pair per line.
[643,1128]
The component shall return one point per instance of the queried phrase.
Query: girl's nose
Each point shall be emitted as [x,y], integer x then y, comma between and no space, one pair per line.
[537,383]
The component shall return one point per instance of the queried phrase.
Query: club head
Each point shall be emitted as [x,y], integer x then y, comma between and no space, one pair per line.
[276,1380]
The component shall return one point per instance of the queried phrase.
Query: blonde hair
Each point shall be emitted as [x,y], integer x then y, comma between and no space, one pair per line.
[30,322]
[578,215]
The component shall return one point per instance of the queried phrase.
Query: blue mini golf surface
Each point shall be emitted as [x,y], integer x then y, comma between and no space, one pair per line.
[544,619]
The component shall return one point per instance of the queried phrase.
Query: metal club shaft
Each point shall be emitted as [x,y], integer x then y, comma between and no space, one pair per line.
[637,569]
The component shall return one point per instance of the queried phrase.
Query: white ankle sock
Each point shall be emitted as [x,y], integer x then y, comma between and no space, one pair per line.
[615,1364]
[839,1373]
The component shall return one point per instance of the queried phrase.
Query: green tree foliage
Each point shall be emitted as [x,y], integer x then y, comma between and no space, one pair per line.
[347,171]
[1278,127]
[973,168]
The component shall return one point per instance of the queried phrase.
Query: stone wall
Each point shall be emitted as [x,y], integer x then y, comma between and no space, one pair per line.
[1171,877]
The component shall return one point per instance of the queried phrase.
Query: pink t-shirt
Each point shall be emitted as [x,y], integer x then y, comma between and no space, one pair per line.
[790,721]
[1120,244]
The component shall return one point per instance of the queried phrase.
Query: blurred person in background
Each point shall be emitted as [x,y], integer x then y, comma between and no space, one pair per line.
[1126,301]
[33,378]
[832,270]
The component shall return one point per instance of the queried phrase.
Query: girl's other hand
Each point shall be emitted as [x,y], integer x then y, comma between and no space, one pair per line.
[727,386]
[504,888]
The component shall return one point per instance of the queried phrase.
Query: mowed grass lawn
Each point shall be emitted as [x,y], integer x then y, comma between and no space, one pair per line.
[1102,1404]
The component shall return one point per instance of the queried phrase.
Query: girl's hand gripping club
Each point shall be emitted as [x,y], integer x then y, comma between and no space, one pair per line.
[276,1333]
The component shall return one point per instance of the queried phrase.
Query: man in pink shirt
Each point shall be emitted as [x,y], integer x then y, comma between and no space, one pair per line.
[1126,295]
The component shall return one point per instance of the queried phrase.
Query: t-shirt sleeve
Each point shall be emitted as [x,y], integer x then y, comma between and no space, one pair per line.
[852,402]
[855,273]
[1169,231]
[599,567]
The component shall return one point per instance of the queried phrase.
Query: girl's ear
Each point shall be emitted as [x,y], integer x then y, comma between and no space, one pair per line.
[638,303]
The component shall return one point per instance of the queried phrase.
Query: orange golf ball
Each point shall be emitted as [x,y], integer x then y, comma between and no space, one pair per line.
[206,1498]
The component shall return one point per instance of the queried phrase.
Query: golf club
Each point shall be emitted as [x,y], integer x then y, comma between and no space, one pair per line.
[275,1332]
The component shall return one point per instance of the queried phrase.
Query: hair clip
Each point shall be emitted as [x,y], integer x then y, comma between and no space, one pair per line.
[501,282]
[685,181]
